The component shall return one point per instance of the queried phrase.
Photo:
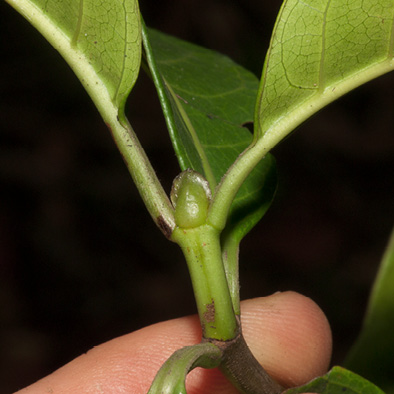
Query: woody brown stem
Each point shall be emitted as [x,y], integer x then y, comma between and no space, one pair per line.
[243,370]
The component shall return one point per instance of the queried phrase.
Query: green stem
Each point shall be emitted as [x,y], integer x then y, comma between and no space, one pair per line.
[265,140]
[232,181]
[201,247]
[172,375]
[230,256]
[144,176]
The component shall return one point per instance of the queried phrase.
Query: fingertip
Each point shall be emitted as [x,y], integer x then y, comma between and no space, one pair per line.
[287,332]
[289,335]
[124,364]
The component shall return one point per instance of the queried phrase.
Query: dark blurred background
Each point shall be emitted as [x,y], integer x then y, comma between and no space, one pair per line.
[80,260]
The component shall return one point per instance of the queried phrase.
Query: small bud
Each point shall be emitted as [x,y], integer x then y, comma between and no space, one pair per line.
[190,196]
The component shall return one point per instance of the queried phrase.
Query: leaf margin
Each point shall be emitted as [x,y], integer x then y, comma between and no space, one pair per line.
[337,381]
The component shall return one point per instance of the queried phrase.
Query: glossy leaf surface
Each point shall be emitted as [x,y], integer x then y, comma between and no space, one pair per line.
[207,100]
[337,381]
[211,98]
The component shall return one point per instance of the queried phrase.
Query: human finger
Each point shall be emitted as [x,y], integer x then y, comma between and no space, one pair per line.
[287,332]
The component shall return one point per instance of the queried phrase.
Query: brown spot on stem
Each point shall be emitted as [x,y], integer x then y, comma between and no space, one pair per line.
[164,226]
[209,314]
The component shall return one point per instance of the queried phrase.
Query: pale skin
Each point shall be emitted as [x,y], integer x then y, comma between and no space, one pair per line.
[287,332]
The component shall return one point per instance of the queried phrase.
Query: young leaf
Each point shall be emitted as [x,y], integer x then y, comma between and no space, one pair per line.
[373,353]
[320,50]
[337,381]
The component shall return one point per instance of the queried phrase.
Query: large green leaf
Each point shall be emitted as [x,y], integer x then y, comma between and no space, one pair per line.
[337,381]
[207,100]
[321,49]
[101,42]
[211,99]
[373,353]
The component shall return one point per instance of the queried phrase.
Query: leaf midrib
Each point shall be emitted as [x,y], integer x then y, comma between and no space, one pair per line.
[287,123]
[196,141]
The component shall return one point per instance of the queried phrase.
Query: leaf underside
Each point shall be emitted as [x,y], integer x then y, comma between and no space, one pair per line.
[321,49]
[100,41]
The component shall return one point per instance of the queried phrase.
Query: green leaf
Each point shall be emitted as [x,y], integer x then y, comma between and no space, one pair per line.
[373,353]
[337,381]
[207,99]
[108,34]
[101,41]
[211,99]
[249,206]
[320,50]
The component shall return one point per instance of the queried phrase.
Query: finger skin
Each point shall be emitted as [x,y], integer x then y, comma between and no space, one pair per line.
[287,333]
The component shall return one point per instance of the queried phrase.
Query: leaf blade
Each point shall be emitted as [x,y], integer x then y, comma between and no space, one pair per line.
[205,98]
[193,152]
[337,381]
[62,25]
[320,50]
[282,106]
[102,44]
[205,109]
[372,354]
[218,101]
[115,51]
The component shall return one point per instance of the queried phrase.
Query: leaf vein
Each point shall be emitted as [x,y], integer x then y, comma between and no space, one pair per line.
[78,27]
